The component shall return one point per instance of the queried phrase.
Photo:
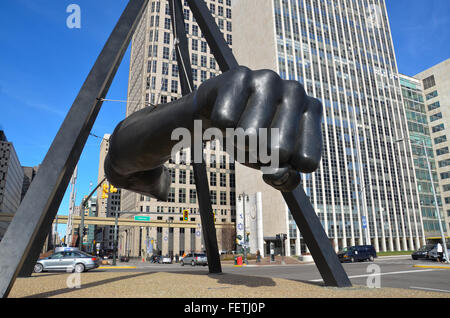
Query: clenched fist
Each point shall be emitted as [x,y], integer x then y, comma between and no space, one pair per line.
[240,98]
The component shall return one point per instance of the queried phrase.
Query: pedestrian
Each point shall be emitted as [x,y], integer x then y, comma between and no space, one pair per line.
[440,252]
[258,256]
[177,258]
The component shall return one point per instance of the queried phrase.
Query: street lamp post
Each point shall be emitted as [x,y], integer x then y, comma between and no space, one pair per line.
[244,197]
[444,245]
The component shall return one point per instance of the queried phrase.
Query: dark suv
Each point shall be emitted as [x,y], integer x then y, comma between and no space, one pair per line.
[422,253]
[357,253]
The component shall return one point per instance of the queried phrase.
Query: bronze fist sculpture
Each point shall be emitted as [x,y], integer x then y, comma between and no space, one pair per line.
[240,98]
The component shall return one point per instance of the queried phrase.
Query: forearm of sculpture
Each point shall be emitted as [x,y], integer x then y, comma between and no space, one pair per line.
[141,144]
[240,98]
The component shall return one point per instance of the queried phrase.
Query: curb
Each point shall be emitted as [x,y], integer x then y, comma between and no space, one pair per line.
[431,266]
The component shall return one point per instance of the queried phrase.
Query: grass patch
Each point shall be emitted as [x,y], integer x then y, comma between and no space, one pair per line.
[394,253]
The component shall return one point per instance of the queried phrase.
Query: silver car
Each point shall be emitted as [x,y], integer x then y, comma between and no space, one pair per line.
[71,260]
[195,259]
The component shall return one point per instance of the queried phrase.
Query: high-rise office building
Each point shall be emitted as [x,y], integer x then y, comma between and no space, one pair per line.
[11,180]
[419,132]
[154,79]
[106,207]
[436,84]
[342,52]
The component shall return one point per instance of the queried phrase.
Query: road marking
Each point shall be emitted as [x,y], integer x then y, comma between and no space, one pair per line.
[382,274]
[116,267]
[432,266]
[431,289]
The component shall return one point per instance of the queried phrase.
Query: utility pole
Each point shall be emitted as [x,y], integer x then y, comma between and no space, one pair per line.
[83,205]
[73,194]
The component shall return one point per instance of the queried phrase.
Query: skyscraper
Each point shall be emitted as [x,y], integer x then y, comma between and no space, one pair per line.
[106,207]
[11,180]
[416,114]
[342,52]
[154,79]
[436,82]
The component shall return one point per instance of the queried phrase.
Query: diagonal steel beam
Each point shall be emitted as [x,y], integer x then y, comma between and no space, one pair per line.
[316,239]
[309,224]
[32,221]
[200,174]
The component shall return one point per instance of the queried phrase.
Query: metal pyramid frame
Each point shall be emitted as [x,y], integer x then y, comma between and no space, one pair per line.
[26,234]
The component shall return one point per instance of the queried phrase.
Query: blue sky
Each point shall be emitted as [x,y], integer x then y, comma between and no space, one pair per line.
[43,65]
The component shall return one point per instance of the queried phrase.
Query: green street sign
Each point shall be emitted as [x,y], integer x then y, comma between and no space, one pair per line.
[142,218]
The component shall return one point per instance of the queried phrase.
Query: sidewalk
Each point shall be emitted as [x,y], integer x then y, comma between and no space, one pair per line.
[194,285]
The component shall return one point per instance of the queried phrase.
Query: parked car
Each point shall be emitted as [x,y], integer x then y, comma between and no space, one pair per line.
[357,254]
[124,259]
[195,259]
[423,252]
[433,254]
[165,260]
[69,259]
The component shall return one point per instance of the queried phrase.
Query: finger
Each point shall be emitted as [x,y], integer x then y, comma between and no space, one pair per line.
[308,149]
[284,179]
[262,104]
[222,99]
[287,120]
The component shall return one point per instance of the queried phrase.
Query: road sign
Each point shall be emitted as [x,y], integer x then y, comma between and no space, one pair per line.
[364,222]
[142,218]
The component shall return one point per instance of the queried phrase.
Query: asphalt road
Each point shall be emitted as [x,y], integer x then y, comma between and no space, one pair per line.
[395,272]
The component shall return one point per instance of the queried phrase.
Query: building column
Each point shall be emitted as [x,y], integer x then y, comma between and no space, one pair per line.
[287,243]
[198,240]
[298,251]
[259,225]
[176,241]
[397,244]
[405,243]
[417,243]
[383,244]
[165,241]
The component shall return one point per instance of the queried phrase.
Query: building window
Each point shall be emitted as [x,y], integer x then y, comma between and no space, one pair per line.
[429,82]
[438,128]
[212,179]
[213,196]
[192,196]
[182,177]
[171,197]
[439,140]
[223,180]
[432,95]
[436,117]
[434,106]
[442,151]
[223,198]
[181,195]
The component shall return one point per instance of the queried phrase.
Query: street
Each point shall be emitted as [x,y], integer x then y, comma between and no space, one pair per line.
[395,272]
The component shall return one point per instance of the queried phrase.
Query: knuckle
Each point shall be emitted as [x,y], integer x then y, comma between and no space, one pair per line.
[269,76]
[223,118]
[294,88]
[241,73]
[315,105]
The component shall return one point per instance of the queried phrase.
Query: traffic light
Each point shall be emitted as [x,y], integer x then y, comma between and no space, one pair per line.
[84,231]
[185,215]
[112,189]
[105,191]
